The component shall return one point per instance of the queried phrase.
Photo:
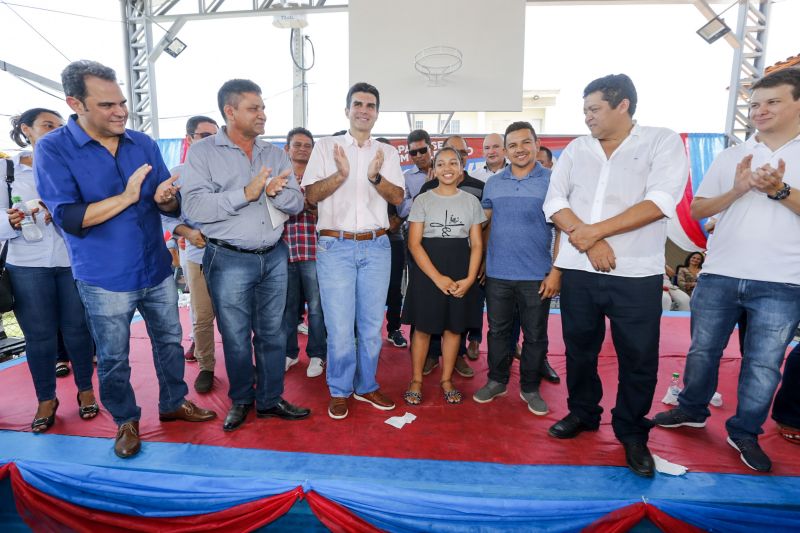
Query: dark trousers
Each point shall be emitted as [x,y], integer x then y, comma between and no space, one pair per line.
[47,303]
[503,298]
[394,296]
[476,334]
[786,409]
[633,306]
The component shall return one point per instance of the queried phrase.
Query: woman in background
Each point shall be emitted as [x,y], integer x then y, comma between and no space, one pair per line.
[46,299]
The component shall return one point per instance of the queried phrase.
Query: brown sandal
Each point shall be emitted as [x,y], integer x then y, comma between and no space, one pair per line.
[412,397]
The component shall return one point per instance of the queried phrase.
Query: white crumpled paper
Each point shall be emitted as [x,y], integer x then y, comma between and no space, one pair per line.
[400,421]
[665,467]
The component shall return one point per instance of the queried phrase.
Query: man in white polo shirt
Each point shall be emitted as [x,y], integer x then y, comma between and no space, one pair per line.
[753,267]
[610,194]
[353,177]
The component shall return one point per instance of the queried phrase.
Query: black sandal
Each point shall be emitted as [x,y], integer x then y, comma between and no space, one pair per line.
[87,412]
[40,425]
[411,397]
[452,396]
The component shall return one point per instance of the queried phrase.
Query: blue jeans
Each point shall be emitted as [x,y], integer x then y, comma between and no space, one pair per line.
[110,315]
[773,311]
[303,282]
[249,296]
[353,279]
[46,302]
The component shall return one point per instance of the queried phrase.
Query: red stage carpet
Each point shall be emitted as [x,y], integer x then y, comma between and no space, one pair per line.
[503,431]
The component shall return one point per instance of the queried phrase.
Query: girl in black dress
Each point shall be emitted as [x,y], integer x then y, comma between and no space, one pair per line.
[444,239]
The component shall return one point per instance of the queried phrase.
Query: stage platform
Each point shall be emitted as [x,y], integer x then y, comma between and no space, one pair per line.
[468,467]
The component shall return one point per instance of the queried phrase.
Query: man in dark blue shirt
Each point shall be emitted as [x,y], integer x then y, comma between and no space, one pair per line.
[106,187]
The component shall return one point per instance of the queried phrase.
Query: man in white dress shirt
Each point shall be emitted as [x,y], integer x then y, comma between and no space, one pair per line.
[610,194]
[353,178]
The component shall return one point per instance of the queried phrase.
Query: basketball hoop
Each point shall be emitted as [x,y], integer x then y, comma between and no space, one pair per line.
[438,62]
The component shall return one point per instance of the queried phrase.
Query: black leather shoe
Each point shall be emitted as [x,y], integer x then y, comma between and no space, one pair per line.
[568,427]
[284,410]
[639,459]
[236,416]
[548,374]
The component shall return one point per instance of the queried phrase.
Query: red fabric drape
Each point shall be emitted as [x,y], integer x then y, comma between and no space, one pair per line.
[683,209]
[337,518]
[624,519]
[44,513]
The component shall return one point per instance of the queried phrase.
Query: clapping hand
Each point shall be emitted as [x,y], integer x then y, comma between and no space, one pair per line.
[134,186]
[166,192]
[743,179]
[257,185]
[276,184]
[767,179]
[342,163]
[375,165]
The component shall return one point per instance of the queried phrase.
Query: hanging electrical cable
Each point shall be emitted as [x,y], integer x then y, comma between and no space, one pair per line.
[291,51]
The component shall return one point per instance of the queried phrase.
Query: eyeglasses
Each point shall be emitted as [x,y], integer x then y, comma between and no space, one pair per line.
[202,135]
[418,151]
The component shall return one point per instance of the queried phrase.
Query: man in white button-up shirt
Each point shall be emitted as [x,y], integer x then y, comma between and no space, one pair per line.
[753,268]
[610,194]
[353,177]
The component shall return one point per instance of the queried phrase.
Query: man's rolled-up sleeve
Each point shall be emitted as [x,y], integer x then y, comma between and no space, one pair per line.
[668,174]
[58,189]
[391,169]
[315,169]
[557,197]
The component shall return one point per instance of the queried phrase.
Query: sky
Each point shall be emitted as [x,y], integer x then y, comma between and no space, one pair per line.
[681,81]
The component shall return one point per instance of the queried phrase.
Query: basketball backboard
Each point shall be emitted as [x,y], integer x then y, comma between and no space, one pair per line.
[442,55]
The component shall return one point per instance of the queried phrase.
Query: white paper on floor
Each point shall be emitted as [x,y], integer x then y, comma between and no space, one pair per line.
[400,421]
[665,467]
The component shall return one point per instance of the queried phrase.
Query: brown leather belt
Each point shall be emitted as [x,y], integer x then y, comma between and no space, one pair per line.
[363,236]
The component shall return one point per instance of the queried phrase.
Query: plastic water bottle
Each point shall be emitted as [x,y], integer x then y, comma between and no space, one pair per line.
[674,389]
[674,385]
[30,231]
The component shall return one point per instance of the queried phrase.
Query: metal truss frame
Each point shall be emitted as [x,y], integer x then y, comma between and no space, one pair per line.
[140,15]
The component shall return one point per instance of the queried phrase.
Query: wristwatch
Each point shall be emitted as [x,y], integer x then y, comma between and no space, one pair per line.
[377,179]
[781,193]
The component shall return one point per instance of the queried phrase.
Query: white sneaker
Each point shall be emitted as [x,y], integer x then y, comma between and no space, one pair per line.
[302,328]
[291,362]
[315,367]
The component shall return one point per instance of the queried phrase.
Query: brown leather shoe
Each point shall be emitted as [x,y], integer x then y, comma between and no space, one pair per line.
[128,443]
[188,412]
[337,408]
[377,399]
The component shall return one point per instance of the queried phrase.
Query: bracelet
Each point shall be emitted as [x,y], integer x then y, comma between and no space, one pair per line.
[377,179]
[781,193]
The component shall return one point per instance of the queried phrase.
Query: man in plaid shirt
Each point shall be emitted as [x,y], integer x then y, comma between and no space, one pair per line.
[300,234]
